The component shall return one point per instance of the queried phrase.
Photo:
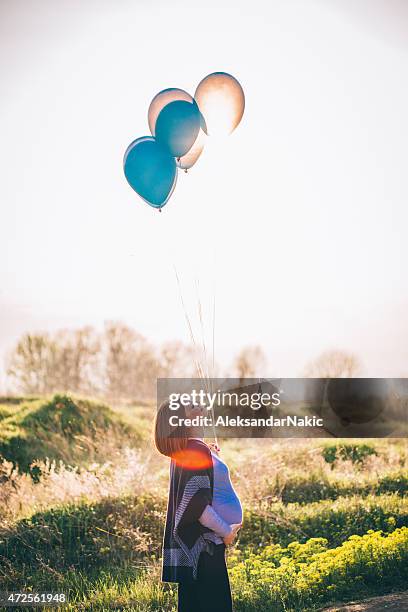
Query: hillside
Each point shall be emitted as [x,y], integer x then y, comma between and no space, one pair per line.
[61,428]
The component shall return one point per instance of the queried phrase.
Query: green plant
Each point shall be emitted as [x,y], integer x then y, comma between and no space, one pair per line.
[304,576]
[62,428]
[357,453]
[336,520]
[111,532]
[317,486]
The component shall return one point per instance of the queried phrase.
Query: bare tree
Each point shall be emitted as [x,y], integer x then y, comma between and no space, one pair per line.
[78,366]
[176,360]
[30,366]
[65,361]
[250,362]
[131,364]
[334,364]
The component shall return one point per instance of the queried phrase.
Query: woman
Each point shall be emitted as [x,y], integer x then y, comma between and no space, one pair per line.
[204,515]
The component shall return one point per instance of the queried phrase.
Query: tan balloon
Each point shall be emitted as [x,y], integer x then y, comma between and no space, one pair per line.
[221,101]
[161,100]
[189,159]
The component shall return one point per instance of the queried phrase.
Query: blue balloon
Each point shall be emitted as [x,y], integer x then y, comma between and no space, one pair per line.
[177,126]
[150,171]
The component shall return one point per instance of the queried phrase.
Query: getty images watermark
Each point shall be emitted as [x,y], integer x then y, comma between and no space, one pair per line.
[291,407]
[254,400]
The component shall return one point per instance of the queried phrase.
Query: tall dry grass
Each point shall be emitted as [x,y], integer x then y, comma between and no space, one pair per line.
[132,471]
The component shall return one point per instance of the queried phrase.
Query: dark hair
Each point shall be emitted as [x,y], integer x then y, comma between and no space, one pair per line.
[167,443]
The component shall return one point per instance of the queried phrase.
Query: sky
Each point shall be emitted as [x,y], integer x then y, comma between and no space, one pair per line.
[296,224]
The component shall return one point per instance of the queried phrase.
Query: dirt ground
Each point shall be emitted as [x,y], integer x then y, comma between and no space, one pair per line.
[396,602]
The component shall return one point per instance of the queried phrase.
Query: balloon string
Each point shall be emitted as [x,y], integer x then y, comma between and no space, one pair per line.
[201,369]
[209,386]
[213,345]
[190,328]
[213,337]
[210,368]
[200,315]
[196,359]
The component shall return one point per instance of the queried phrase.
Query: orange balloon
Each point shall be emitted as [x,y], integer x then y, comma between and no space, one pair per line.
[221,101]
[189,159]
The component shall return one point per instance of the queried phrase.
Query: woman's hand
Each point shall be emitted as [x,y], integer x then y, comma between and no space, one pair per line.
[214,447]
[231,537]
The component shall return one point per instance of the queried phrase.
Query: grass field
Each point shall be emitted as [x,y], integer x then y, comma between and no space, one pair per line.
[82,506]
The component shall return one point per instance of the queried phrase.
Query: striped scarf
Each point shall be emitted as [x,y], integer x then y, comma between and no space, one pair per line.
[191,490]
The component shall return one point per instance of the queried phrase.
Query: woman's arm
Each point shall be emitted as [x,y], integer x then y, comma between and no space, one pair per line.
[213,521]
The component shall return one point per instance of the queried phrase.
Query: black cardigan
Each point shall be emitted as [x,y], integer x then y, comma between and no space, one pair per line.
[191,490]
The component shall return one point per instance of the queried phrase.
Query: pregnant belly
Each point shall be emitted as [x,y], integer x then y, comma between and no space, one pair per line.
[229,508]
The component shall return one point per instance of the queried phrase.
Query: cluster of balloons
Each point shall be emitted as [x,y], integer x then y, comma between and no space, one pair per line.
[179,125]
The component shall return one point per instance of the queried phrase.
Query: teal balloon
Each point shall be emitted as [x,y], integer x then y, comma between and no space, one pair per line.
[150,170]
[177,126]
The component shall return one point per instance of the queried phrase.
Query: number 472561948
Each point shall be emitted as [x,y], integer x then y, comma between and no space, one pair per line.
[21,598]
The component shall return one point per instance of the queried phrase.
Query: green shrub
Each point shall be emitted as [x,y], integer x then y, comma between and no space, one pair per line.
[72,430]
[304,576]
[314,487]
[393,483]
[318,486]
[112,532]
[335,521]
[357,453]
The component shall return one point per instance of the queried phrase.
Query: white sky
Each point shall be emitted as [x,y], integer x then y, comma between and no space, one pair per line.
[300,218]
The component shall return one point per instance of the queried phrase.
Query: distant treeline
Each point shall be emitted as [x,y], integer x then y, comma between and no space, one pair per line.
[117,363]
